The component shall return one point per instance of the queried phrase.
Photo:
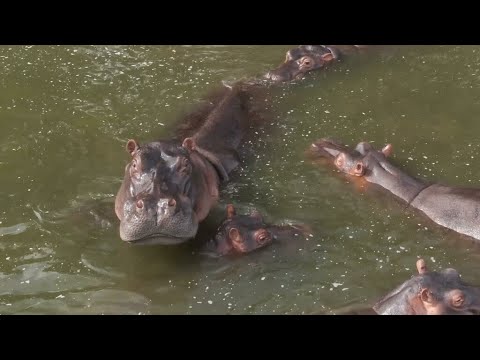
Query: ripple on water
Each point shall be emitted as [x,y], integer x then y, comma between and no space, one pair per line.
[14,229]
[96,302]
[35,279]
[77,105]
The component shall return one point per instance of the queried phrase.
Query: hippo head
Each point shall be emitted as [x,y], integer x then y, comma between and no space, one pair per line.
[242,234]
[431,293]
[353,162]
[302,60]
[158,199]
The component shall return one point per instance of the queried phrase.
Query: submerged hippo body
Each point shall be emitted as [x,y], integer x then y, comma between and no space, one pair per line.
[455,208]
[431,293]
[307,58]
[242,234]
[169,187]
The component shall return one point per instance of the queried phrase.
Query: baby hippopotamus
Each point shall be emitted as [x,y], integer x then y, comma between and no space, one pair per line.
[242,234]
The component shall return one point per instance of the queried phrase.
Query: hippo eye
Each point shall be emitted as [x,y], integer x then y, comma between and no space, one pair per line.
[339,161]
[262,237]
[306,61]
[185,166]
[458,298]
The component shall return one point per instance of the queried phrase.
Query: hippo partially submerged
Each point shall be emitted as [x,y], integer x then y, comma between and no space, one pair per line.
[455,208]
[426,293]
[242,234]
[307,58]
[431,293]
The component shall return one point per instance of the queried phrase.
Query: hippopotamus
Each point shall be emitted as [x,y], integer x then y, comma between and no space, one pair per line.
[454,208]
[427,293]
[307,58]
[242,234]
[170,186]
[431,293]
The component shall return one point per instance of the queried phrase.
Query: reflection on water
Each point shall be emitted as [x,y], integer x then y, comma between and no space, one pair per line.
[67,111]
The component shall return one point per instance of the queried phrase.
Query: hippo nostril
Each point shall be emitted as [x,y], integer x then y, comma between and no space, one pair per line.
[139,204]
[172,203]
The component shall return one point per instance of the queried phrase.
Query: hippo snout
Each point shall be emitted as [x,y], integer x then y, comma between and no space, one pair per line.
[166,207]
[168,219]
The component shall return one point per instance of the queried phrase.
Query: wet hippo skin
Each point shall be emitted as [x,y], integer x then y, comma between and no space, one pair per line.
[455,208]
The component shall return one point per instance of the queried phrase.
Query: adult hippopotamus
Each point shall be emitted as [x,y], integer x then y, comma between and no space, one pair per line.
[242,234]
[307,58]
[455,208]
[431,293]
[170,186]
[427,293]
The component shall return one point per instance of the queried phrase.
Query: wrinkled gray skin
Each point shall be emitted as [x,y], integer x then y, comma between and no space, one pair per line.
[306,58]
[455,208]
[169,187]
[431,293]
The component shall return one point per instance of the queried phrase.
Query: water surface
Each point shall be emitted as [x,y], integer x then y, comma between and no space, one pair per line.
[66,113]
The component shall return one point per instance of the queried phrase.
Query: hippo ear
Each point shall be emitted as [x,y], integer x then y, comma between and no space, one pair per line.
[335,52]
[234,234]
[328,57]
[230,211]
[288,56]
[333,152]
[340,160]
[426,296]
[387,150]
[189,144]
[421,266]
[132,146]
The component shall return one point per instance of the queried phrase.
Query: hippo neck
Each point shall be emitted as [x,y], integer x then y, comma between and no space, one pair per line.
[225,127]
[389,177]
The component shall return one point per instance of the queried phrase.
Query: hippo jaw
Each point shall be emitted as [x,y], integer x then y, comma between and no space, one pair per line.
[156,239]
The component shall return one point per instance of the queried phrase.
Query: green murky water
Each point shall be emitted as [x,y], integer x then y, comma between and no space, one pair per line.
[66,112]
